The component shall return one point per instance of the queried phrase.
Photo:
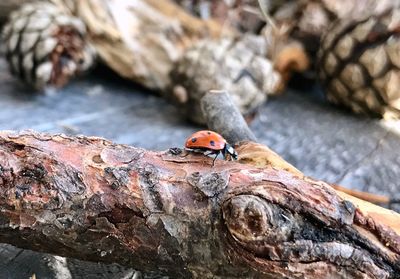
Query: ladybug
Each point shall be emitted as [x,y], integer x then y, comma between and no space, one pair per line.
[209,142]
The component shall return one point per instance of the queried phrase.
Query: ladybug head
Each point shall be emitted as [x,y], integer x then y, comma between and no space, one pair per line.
[231,151]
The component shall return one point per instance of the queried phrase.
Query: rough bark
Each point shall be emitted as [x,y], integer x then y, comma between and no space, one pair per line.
[91,199]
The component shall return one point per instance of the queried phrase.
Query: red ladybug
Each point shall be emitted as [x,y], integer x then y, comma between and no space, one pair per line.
[209,142]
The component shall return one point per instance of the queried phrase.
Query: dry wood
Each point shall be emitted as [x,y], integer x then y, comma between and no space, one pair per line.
[373,198]
[91,199]
[141,40]
[222,115]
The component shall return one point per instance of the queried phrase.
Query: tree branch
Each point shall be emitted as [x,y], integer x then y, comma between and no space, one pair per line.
[222,115]
[91,199]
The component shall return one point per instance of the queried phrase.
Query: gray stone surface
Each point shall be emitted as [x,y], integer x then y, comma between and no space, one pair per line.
[321,140]
[332,145]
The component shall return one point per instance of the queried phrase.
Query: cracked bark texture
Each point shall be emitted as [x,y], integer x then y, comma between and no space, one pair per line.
[91,199]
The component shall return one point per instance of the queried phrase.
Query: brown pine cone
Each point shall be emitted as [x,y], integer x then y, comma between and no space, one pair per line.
[359,64]
[46,46]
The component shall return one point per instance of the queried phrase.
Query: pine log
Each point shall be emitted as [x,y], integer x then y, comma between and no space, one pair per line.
[91,199]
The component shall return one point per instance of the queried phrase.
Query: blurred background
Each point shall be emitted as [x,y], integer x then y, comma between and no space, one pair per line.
[318,82]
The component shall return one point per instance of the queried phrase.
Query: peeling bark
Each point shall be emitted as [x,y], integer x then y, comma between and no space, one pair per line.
[91,199]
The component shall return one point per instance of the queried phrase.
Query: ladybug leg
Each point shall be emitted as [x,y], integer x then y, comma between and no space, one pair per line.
[185,152]
[224,153]
[215,158]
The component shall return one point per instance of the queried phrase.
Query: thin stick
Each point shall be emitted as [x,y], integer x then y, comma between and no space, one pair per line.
[374,198]
[222,115]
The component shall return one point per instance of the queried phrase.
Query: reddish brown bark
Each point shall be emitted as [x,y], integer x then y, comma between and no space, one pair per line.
[169,211]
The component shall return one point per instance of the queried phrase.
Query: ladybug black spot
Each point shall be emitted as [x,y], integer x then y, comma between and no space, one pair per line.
[212,143]
[194,139]
[209,133]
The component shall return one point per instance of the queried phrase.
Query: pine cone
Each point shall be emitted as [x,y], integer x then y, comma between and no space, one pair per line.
[238,66]
[359,64]
[45,46]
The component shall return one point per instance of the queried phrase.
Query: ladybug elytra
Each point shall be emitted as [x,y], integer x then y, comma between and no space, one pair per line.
[209,142]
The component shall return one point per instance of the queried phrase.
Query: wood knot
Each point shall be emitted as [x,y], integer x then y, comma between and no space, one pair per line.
[251,219]
[246,218]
